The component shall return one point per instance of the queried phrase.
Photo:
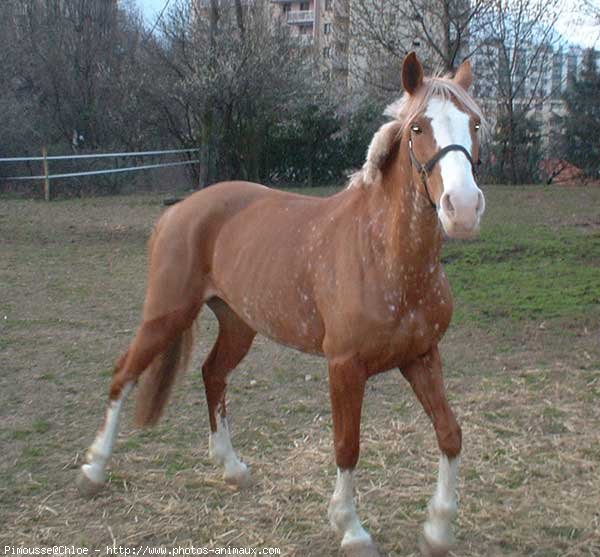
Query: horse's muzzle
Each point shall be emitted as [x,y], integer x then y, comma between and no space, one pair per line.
[460,212]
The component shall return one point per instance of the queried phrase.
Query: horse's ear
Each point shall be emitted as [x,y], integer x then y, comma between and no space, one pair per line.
[412,73]
[464,75]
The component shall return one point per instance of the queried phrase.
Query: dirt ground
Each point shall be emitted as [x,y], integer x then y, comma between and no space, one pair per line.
[526,392]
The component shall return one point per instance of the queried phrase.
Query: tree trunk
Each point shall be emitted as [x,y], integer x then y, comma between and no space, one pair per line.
[206,132]
[205,149]
[239,14]
[311,163]
[253,152]
[512,148]
[448,58]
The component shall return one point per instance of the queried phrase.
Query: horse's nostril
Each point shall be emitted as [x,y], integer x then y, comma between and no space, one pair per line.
[447,205]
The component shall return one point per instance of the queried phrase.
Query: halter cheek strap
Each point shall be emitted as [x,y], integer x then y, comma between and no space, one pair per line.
[425,169]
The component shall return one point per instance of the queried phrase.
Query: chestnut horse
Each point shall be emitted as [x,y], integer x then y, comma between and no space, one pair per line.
[355,277]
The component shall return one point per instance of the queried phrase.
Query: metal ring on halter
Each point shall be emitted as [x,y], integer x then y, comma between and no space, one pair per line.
[425,169]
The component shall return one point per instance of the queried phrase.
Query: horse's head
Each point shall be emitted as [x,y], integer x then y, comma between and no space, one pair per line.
[438,122]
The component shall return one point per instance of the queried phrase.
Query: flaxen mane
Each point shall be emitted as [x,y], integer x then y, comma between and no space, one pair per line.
[403,112]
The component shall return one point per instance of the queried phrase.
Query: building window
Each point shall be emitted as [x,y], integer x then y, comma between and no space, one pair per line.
[327,5]
[327,29]
[304,6]
[327,52]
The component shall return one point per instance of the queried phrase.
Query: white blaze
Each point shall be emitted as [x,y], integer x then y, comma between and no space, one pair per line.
[451,126]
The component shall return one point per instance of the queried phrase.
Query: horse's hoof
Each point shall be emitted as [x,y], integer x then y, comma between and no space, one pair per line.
[237,476]
[429,549]
[360,549]
[86,486]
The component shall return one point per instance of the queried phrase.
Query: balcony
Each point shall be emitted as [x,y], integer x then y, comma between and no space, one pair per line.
[301,17]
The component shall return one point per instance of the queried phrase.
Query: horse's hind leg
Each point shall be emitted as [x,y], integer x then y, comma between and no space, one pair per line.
[161,346]
[93,472]
[232,344]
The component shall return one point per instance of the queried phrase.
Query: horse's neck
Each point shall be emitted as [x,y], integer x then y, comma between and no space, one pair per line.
[407,227]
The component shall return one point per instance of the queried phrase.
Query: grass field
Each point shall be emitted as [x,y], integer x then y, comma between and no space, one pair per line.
[522,361]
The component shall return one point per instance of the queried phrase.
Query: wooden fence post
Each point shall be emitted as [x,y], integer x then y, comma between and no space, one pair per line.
[46,174]
[115,181]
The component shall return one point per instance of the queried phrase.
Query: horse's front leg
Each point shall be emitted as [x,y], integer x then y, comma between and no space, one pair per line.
[425,377]
[347,380]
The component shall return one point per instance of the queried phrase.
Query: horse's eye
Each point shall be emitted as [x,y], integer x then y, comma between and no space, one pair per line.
[416,128]
[477,126]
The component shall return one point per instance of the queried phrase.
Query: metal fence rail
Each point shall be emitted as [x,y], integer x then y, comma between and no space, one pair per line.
[46,177]
[96,172]
[98,155]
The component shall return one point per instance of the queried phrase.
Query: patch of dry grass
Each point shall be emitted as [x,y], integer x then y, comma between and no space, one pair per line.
[71,286]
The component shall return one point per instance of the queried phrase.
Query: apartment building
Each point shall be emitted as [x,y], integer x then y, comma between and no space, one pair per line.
[331,28]
[311,21]
[326,29]
[539,81]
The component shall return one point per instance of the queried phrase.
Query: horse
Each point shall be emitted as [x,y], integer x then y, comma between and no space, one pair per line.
[355,277]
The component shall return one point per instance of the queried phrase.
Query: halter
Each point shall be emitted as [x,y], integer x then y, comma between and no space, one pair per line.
[425,169]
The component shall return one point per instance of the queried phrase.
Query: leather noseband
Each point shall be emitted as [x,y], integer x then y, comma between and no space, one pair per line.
[425,169]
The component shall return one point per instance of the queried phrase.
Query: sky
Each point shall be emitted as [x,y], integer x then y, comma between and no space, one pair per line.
[150,8]
[579,27]
[576,28]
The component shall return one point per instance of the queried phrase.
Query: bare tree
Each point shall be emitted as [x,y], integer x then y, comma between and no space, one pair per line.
[517,54]
[222,76]
[76,61]
[17,109]
[591,8]
[228,72]
[442,31]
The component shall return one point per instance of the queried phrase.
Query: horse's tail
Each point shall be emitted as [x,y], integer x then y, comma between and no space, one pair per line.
[155,384]
[163,344]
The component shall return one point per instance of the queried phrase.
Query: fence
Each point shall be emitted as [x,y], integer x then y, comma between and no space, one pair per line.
[47,177]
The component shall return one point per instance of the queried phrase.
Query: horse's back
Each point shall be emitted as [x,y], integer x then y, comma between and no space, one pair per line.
[183,243]
[200,216]
[224,200]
